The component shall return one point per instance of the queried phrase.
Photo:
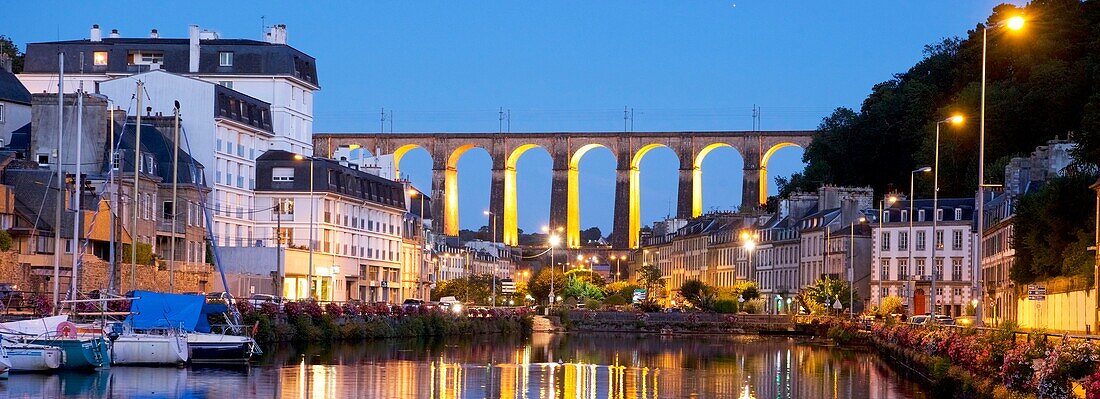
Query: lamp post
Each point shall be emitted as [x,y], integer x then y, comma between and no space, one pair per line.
[423,237]
[881,211]
[309,275]
[1014,23]
[852,265]
[909,238]
[955,120]
[748,243]
[553,242]
[493,220]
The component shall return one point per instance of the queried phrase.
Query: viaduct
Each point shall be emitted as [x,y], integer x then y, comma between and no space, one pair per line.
[566,149]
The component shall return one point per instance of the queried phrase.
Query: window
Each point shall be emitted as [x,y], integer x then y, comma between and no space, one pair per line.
[225,58]
[939,239]
[903,240]
[145,58]
[957,240]
[920,241]
[939,215]
[905,216]
[116,160]
[166,211]
[43,159]
[903,269]
[99,58]
[885,240]
[957,291]
[885,270]
[939,291]
[920,267]
[226,83]
[885,292]
[886,216]
[958,214]
[920,215]
[1,112]
[285,235]
[282,174]
[956,269]
[939,268]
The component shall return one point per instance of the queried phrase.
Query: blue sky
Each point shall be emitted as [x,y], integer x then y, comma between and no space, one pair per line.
[571,65]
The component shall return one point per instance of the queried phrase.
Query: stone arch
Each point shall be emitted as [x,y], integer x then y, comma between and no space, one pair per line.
[400,153]
[573,202]
[450,188]
[634,226]
[764,158]
[697,175]
[510,218]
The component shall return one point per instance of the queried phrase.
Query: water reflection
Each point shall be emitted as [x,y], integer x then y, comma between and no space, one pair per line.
[544,366]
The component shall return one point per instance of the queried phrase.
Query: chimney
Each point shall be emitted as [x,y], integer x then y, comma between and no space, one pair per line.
[96,35]
[5,63]
[277,34]
[114,34]
[153,34]
[193,35]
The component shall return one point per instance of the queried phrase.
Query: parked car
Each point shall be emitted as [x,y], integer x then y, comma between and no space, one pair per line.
[218,297]
[412,305]
[945,320]
[10,296]
[258,300]
[921,319]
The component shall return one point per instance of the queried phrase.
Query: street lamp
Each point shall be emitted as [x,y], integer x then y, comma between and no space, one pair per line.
[496,259]
[748,242]
[423,237]
[554,240]
[888,200]
[852,265]
[309,275]
[1014,23]
[909,238]
[954,120]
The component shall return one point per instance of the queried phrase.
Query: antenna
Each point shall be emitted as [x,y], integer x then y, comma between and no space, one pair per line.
[263,26]
[500,120]
[508,119]
[382,122]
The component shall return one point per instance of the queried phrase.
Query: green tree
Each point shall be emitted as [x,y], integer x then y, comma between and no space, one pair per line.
[5,240]
[477,289]
[8,47]
[539,285]
[144,253]
[892,305]
[820,296]
[650,277]
[1053,229]
[698,294]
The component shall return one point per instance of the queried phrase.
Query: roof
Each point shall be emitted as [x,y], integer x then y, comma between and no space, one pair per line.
[12,90]
[156,143]
[250,57]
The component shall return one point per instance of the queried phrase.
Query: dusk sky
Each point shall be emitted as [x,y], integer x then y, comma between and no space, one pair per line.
[449,66]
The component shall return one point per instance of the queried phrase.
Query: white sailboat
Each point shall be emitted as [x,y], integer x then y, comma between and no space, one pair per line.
[31,357]
[133,348]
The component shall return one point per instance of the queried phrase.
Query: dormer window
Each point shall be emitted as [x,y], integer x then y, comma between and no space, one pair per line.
[958,214]
[225,58]
[99,58]
[920,215]
[145,58]
[939,215]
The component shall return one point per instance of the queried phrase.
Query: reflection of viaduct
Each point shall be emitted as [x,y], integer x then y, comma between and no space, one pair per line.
[566,149]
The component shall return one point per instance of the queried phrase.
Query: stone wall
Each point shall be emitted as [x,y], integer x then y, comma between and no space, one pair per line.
[1071,311]
[16,269]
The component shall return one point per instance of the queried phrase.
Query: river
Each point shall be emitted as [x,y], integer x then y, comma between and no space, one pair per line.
[541,366]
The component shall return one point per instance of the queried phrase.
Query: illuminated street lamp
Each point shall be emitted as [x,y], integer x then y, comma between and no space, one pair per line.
[888,200]
[954,120]
[554,240]
[309,275]
[1014,23]
[852,264]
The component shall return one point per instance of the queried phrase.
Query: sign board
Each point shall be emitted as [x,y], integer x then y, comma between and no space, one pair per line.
[508,286]
[837,305]
[385,284]
[1036,292]
[639,295]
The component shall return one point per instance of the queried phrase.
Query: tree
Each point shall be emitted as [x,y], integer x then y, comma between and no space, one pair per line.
[619,292]
[820,296]
[144,253]
[539,285]
[698,294]
[8,47]
[650,276]
[477,289]
[891,305]
[1053,229]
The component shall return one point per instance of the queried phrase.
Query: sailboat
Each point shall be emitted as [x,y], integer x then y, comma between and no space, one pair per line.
[188,314]
[79,351]
[31,357]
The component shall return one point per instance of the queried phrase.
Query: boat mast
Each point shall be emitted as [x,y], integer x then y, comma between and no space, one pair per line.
[135,193]
[175,204]
[60,180]
[74,288]
[112,203]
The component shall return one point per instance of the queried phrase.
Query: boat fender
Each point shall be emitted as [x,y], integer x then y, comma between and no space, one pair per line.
[255,328]
[67,329]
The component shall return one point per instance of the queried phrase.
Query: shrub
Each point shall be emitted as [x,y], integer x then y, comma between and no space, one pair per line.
[334,309]
[725,306]
[5,240]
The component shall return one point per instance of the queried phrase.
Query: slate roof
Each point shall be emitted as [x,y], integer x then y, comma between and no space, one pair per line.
[156,143]
[12,90]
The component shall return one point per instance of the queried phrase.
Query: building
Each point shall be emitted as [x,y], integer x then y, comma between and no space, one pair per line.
[776,261]
[1022,175]
[15,103]
[907,251]
[357,221]
[268,70]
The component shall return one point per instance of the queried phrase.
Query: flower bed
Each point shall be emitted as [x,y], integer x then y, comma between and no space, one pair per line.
[994,363]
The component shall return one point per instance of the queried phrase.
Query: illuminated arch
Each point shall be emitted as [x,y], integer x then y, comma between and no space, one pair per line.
[510,218]
[697,177]
[635,224]
[450,191]
[573,203]
[398,154]
[764,168]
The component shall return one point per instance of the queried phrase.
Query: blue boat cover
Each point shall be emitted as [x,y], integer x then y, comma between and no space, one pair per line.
[207,310]
[154,310]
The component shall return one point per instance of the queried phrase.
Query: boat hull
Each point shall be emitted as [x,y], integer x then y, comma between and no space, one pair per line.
[217,348]
[149,349]
[80,354]
[29,358]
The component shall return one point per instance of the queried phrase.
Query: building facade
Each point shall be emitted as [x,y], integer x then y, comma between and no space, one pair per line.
[909,254]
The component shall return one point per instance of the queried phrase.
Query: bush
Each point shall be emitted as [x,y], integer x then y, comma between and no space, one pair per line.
[5,240]
[725,306]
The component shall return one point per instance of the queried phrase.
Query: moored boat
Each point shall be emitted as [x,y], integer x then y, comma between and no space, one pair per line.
[220,348]
[149,349]
[31,357]
[87,352]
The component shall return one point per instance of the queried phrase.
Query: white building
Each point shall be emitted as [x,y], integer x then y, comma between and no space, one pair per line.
[357,224]
[904,262]
[15,103]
